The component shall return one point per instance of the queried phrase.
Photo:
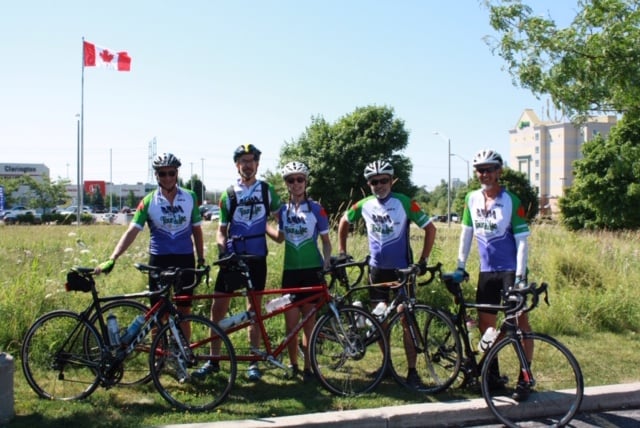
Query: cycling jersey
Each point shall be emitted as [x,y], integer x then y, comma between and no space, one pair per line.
[495,228]
[248,226]
[387,222]
[301,226]
[170,225]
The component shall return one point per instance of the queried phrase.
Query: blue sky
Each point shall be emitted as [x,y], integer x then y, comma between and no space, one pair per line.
[210,75]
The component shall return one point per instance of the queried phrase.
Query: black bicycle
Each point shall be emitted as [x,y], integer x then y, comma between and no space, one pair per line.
[67,355]
[553,381]
[406,322]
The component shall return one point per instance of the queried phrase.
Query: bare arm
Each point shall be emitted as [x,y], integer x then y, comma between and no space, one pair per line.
[343,233]
[125,241]
[221,239]
[198,240]
[429,239]
[326,250]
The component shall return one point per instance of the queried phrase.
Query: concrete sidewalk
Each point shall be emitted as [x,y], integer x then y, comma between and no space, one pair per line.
[453,413]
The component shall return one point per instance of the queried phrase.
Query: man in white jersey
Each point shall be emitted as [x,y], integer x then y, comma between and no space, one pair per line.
[174,221]
[496,218]
[387,216]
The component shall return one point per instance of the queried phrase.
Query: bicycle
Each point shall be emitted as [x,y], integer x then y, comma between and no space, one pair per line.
[554,377]
[406,322]
[66,355]
[341,353]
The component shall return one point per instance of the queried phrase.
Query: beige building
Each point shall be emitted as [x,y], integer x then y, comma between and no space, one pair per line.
[545,151]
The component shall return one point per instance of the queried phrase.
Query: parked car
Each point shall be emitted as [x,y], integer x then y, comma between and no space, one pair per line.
[209,211]
[22,216]
[73,210]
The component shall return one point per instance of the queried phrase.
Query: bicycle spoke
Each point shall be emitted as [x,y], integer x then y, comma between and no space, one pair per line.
[57,363]
[173,376]
[348,357]
[556,388]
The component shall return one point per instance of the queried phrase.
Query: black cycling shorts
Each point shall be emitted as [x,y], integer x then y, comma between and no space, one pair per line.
[257,271]
[174,260]
[295,278]
[491,285]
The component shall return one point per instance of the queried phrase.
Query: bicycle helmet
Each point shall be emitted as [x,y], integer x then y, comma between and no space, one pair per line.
[377,168]
[165,160]
[487,157]
[295,168]
[246,149]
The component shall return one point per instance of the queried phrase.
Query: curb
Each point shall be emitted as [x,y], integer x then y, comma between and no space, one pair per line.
[453,413]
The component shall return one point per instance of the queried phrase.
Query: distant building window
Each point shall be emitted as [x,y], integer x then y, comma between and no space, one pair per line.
[537,176]
[537,163]
[537,150]
[537,136]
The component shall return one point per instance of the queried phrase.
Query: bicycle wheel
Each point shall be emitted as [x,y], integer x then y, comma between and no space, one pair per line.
[55,360]
[136,365]
[348,357]
[557,384]
[170,369]
[438,355]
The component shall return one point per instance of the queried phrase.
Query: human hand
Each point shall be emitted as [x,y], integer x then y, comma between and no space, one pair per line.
[201,263]
[460,275]
[105,267]
[520,282]
[422,266]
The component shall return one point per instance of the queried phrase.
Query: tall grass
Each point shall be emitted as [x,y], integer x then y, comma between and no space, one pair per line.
[594,308]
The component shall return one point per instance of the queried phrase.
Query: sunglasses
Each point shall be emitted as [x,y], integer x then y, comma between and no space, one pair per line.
[298,179]
[165,173]
[381,181]
[487,170]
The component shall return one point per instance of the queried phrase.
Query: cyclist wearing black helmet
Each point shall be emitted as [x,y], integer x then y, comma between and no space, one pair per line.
[245,209]
[174,221]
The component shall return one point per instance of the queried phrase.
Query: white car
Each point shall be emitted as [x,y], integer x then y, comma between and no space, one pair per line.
[73,210]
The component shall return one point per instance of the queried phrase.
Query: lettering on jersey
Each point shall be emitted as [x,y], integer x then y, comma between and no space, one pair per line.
[246,211]
[296,225]
[173,215]
[382,224]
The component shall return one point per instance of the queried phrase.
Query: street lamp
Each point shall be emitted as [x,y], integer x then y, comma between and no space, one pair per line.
[202,180]
[468,176]
[448,140]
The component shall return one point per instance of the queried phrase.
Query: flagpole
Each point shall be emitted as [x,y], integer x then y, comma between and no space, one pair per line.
[81,144]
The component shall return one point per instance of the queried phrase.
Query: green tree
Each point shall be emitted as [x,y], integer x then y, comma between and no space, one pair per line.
[42,194]
[196,185]
[338,153]
[606,189]
[589,66]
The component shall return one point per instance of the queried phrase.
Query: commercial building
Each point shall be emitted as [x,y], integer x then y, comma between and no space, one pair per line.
[545,151]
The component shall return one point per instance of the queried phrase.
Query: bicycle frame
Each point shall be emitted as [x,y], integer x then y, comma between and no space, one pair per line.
[318,295]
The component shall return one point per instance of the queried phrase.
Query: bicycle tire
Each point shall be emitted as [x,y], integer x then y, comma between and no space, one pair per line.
[171,377]
[136,365]
[55,360]
[439,357]
[558,389]
[349,355]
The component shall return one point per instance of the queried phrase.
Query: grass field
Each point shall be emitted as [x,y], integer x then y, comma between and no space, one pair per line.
[595,311]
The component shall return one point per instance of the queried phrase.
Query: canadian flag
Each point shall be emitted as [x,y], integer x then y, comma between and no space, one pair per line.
[96,56]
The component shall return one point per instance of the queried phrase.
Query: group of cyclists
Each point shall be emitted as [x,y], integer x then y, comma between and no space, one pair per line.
[492,214]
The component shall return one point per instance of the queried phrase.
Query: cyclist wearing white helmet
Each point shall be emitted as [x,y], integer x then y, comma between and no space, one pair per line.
[300,223]
[497,219]
[174,224]
[245,208]
[387,216]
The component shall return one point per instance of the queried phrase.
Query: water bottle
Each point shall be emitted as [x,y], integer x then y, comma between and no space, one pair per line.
[133,330]
[359,318]
[114,330]
[380,310]
[233,320]
[487,340]
[278,303]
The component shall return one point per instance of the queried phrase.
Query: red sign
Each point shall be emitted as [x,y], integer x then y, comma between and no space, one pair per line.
[91,186]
